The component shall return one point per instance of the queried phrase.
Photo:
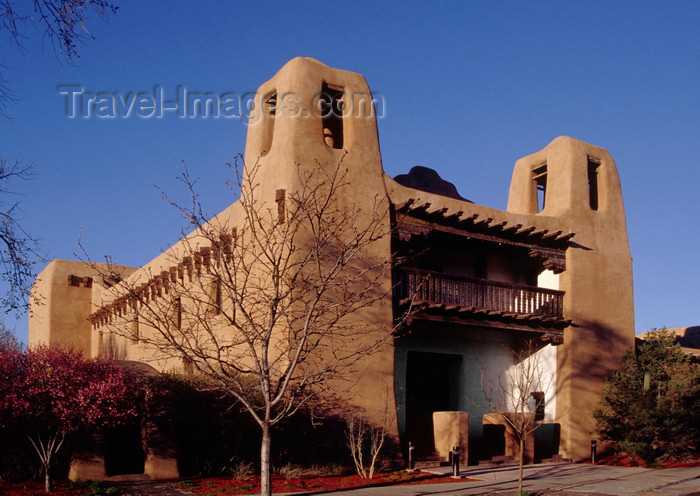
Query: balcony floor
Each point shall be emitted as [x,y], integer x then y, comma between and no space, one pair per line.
[551,329]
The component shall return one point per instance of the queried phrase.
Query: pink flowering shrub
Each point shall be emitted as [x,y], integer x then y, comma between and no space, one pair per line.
[49,393]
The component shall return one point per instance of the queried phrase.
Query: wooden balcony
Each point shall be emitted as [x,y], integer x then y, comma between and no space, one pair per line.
[514,301]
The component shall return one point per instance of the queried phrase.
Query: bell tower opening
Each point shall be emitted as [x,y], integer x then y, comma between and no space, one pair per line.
[593,166]
[539,176]
[332,106]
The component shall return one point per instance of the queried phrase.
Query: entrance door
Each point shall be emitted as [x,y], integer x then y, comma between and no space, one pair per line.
[124,450]
[432,385]
[494,441]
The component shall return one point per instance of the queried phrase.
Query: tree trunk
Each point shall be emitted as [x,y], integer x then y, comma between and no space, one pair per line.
[265,487]
[45,452]
[47,479]
[521,459]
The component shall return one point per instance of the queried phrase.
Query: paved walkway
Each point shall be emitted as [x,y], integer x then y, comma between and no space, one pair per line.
[151,488]
[556,479]
[542,480]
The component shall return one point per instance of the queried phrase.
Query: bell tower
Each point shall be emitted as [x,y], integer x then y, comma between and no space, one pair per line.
[312,124]
[578,184]
[310,116]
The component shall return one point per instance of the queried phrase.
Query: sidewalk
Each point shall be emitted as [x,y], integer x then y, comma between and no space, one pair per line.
[541,480]
[553,479]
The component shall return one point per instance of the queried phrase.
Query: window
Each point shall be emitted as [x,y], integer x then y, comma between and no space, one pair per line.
[135,331]
[331,106]
[539,405]
[187,366]
[215,297]
[539,176]
[78,281]
[280,196]
[176,313]
[593,166]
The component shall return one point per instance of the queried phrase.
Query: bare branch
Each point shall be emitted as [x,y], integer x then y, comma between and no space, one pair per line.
[270,301]
[64,24]
[513,395]
[18,250]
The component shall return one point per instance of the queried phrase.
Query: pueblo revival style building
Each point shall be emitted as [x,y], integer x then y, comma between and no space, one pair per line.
[554,266]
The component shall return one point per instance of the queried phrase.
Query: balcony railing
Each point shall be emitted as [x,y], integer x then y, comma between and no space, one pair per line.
[437,288]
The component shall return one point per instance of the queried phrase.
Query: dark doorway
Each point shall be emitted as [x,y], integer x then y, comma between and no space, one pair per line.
[432,385]
[494,441]
[547,437]
[124,450]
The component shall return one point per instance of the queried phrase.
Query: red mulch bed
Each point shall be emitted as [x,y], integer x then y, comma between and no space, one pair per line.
[222,486]
[35,488]
[632,461]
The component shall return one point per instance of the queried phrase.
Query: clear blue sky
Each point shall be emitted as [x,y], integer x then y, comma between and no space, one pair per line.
[469,87]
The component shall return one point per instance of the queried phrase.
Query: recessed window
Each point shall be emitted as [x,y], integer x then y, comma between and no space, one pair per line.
[176,313]
[331,105]
[79,281]
[280,196]
[187,366]
[593,166]
[538,396]
[135,331]
[539,176]
[215,297]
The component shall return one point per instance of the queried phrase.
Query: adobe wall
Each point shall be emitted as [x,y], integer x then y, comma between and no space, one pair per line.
[294,142]
[598,275]
[61,301]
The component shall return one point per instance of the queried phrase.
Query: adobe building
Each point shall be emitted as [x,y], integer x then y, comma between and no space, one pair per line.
[554,266]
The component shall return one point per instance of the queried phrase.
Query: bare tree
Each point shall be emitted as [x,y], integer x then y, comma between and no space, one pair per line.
[18,250]
[518,393]
[365,440]
[64,23]
[274,302]
[363,437]
[8,340]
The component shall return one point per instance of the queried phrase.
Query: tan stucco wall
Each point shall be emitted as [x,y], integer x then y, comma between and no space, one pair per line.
[59,311]
[597,280]
[451,429]
[297,146]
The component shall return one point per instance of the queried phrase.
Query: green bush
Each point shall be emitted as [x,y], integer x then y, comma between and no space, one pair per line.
[94,488]
[651,407]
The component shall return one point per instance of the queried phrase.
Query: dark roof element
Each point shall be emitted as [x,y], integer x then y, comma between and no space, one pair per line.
[428,180]
[420,219]
[473,223]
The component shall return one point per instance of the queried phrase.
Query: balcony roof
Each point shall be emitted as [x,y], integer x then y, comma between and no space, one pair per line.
[485,226]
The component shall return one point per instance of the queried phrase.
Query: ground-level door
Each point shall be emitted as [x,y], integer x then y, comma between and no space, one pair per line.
[124,450]
[432,385]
